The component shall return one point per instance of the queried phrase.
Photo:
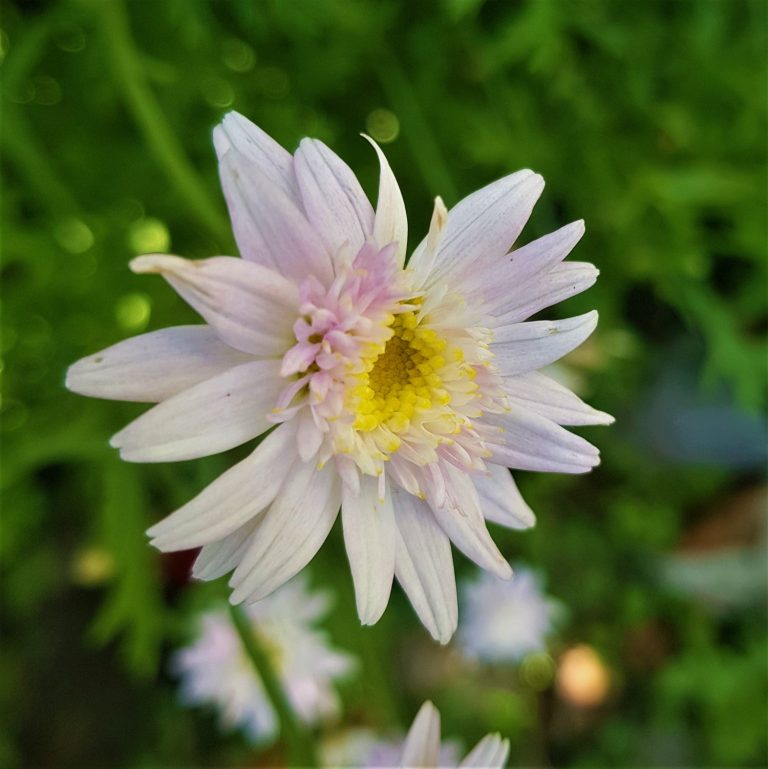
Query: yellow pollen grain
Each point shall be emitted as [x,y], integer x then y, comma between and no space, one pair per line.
[400,378]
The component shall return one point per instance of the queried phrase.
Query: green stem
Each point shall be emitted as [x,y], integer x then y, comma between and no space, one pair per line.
[146,112]
[299,741]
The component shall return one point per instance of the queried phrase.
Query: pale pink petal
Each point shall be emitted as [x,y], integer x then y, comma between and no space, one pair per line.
[533,442]
[269,226]
[333,199]
[424,565]
[490,753]
[238,495]
[213,416]
[421,267]
[369,538]
[219,558]
[461,518]
[522,347]
[422,744]
[483,226]
[252,148]
[545,396]
[500,500]
[290,533]
[500,283]
[562,282]
[391,223]
[250,307]
[154,366]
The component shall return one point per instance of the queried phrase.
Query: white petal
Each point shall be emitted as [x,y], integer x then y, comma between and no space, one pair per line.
[422,744]
[213,416]
[250,307]
[501,281]
[483,226]
[391,222]
[333,198]
[461,518]
[154,366]
[490,753]
[269,226]
[522,347]
[369,537]
[252,148]
[420,267]
[533,442]
[500,500]
[545,396]
[290,533]
[235,497]
[561,283]
[424,565]
[219,558]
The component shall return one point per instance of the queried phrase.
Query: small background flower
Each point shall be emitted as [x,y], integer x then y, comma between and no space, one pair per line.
[215,670]
[505,620]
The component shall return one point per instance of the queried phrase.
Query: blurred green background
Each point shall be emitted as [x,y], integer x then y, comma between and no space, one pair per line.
[648,119]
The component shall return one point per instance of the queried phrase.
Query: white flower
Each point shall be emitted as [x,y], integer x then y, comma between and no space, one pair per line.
[399,394]
[215,670]
[505,620]
[422,745]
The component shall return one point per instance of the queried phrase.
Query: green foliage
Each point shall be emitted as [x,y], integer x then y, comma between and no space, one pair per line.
[648,119]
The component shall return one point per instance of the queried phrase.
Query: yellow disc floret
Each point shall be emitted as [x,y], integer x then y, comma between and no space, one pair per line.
[400,378]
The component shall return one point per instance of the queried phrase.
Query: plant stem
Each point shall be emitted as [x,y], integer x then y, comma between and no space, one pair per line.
[300,746]
[145,110]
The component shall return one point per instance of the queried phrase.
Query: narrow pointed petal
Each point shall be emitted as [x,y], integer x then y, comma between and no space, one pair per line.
[421,267]
[369,537]
[213,416]
[422,744]
[154,366]
[545,396]
[500,500]
[499,283]
[250,307]
[391,222]
[219,558]
[483,226]
[490,753]
[269,225]
[289,533]
[522,347]
[235,497]
[253,148]
[532,442]
[333,199]
[562,282]
[461,518]
[424,565]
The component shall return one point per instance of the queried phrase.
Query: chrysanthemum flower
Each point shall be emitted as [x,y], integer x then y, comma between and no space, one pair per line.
[505,619]
[215,670]
[398,393]
[422,745]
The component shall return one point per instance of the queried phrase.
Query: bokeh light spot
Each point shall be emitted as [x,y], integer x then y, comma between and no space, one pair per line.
[237,55]
[73,235]
[71,38]
[582,678]
[92,566]
[133,311]
[383,125]
[538,670]
[148,236]
[47,90]
[217,92]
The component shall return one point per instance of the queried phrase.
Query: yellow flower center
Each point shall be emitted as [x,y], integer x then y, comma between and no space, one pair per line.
[401,378]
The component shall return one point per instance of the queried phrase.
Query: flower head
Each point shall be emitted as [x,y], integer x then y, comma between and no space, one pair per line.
[399,393]
[505,620]
[215,670]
